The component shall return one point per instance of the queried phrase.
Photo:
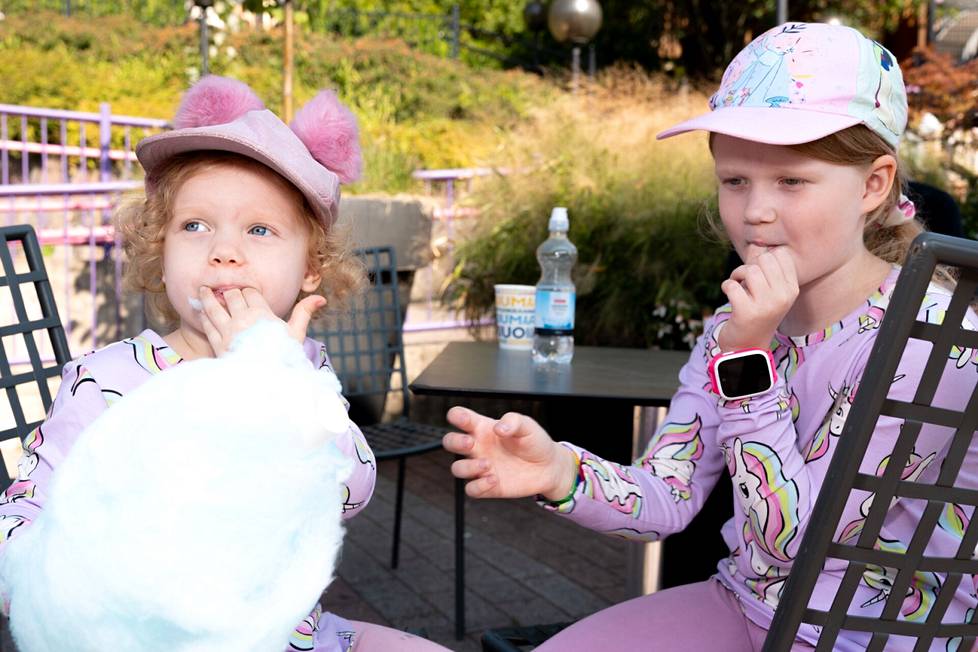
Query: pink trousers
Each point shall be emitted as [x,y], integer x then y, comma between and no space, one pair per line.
[701,616]
[377,638]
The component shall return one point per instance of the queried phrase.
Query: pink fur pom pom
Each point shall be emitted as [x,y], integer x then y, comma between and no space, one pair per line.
[329,130]
[215,100]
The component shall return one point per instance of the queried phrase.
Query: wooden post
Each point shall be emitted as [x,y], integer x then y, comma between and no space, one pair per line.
[287,63]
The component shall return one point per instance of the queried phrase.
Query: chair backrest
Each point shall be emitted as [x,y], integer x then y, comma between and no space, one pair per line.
[25,382]
[843,477]
[364,341]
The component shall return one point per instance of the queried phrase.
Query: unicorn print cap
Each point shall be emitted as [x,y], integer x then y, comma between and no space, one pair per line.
[799,82]
[319,150]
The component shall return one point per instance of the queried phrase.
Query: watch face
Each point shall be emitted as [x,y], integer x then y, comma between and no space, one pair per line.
[744,375]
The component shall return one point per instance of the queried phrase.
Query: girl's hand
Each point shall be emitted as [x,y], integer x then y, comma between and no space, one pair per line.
[510,458]
[761,293]
[244,308]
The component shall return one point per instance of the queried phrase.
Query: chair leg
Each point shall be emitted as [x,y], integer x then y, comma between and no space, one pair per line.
[459,559]
[398,504]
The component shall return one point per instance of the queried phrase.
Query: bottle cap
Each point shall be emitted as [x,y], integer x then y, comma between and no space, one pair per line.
[558,219]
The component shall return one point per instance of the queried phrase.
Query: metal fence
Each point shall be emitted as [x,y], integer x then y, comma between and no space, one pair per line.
[63,172]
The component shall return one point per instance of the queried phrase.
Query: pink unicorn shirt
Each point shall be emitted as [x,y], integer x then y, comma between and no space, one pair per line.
[90,385]
[775,448]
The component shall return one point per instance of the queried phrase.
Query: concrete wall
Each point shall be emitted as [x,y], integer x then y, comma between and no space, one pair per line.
[404,222]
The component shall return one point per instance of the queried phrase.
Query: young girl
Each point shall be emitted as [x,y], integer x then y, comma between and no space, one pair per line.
[803,131]
[236,226]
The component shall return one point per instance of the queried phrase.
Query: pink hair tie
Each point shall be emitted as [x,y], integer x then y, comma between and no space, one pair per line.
[902,213]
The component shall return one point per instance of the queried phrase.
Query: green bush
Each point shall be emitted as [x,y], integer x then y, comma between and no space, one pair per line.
[647,271]
[415,110]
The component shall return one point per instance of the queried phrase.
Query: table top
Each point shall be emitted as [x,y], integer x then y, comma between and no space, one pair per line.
[482,369]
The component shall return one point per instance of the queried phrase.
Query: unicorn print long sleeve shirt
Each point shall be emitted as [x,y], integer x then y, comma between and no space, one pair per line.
[775,448]
[89,386]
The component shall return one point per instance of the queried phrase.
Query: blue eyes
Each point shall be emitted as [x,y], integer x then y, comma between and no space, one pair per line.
[194,226]
[791,182]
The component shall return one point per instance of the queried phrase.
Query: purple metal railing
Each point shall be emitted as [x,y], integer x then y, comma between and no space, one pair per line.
[53,178]
[448,213]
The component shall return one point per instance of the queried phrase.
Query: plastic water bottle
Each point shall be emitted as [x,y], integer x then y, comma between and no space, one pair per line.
[553,335]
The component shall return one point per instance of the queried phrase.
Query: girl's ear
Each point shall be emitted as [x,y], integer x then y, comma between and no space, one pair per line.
[880,177]
[310,281]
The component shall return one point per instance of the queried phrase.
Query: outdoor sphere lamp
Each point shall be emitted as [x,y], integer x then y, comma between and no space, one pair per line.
[576,21]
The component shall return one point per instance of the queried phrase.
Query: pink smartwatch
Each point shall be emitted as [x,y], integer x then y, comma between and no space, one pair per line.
[742,374]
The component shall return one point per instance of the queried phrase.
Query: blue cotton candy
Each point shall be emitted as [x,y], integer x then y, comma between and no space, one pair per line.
[202,511]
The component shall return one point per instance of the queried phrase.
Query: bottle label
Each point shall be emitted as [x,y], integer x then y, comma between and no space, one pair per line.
[555,312]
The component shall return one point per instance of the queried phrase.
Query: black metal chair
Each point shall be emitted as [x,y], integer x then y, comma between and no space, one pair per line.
[19,384]
[843,476]
[366,349]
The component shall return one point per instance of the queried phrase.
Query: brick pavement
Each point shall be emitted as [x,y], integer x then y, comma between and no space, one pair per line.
[523,566]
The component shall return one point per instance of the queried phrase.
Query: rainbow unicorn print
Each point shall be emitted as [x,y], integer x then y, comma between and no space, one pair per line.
[672,456]
[921,594]
[7,526]
[915,466]
[833,423]
[769,581]
[24,486]
[612,483]
[767,497]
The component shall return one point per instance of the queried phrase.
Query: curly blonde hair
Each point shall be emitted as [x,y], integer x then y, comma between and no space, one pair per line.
[142,219]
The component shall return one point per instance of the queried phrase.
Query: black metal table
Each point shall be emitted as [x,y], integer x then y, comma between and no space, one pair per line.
[641,377]
[603,385]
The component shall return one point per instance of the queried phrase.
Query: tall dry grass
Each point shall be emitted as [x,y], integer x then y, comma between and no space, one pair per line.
[646,271]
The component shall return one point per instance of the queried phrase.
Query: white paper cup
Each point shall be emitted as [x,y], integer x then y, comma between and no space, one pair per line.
[515,316]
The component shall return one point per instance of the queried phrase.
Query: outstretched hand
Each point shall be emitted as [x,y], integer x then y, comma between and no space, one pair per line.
[245,307]
[512,457]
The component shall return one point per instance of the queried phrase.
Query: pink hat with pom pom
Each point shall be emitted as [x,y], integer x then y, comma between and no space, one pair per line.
[317,152]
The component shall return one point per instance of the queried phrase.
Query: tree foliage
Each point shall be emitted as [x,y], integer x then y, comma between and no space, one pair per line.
[415,110]
[936,84]
[701,36]
[696,37]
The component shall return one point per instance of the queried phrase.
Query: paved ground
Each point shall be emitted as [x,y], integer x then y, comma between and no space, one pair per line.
[523,565]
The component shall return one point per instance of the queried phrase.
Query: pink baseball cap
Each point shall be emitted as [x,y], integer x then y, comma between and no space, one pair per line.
[317,152]
[799,82]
